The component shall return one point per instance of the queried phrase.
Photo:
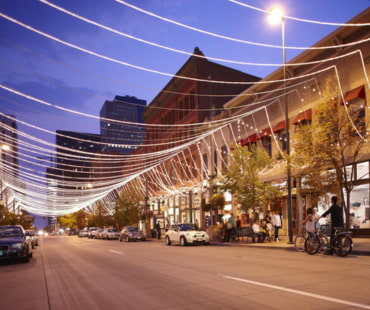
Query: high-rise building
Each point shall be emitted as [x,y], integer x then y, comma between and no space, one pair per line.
[75,150]
[121,124]
[9,143]
[9,162]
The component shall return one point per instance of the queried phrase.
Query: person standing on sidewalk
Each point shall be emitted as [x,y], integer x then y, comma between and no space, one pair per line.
[276,222]
[309,221]
[336,213]
[238,227]
[230,226]
[158,229]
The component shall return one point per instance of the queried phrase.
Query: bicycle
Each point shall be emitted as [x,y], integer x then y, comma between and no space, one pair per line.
[342,242]
[299,240]
[317,242]
[222,235]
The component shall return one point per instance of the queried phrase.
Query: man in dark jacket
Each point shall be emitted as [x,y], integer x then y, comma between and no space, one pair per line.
[336,213]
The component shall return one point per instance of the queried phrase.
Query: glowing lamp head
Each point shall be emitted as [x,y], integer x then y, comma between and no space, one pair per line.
[275,15]
[5,147]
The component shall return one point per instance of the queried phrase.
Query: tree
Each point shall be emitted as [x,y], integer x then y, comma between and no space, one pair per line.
[316,179]
[242,177]
[9,218]
[68,221]
[126,211]
[334,142]
[101,217]
[81,217]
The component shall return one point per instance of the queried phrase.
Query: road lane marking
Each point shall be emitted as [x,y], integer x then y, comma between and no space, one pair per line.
[117,252]
[336,300]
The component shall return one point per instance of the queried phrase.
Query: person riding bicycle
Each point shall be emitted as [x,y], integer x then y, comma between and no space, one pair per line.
[336,213]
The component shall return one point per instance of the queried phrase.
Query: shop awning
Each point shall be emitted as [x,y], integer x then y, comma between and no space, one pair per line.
[265,133]
[280,126]
[306,115]
[251,139]
[358,92]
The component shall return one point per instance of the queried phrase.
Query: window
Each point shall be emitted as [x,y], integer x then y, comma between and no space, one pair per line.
[280,131]
[362,170]
[266,143]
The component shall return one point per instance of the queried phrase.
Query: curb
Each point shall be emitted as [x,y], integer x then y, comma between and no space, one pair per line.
[286,248]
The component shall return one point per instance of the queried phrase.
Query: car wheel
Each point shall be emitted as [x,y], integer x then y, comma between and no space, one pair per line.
[168,241]
[143,239]
[183,241]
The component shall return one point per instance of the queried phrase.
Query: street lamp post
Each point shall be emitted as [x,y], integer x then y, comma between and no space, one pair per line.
[276,15]
[3,147]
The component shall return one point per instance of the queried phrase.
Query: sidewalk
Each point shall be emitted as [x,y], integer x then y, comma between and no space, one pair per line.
[361,246]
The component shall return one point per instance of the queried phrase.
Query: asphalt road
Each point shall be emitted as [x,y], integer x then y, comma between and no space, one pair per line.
[79,273]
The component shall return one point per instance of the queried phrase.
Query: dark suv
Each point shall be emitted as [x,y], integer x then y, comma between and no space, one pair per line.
[14,244]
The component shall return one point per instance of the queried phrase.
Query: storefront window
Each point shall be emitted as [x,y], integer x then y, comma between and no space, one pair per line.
[360,209]
[362,170]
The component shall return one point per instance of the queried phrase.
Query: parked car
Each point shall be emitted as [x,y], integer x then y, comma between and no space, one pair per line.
[110,234]
[14,244]
[92,232]
[31,234]
[99,233]
[83,233]
[131,233]
[184,234]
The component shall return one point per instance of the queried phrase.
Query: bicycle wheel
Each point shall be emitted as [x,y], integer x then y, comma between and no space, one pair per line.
[324,244]
[220,237]
[342,245]
[312,244]
[299,243]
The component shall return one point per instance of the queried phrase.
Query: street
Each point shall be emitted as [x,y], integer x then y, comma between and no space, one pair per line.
[67,272]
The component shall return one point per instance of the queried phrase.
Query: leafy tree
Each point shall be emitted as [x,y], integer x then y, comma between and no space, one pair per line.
[81,217]
[100,217]
[126,211]
[68,221]
[242,177]
[330,147]
[9,218]
[317,179]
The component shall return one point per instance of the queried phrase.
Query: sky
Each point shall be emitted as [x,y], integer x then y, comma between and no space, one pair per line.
[75,65]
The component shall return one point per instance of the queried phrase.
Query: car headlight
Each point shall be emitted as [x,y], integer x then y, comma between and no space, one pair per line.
[16,246]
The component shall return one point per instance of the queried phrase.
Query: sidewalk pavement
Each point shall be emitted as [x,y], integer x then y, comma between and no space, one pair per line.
[361,246]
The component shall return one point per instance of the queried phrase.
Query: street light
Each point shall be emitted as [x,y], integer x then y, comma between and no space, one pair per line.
[275,16]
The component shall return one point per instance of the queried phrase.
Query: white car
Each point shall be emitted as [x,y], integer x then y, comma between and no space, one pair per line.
[186,234]
[110,234]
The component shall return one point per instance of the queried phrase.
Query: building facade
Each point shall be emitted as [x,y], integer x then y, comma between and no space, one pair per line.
[176,188]
[121,124]
[173,121]
[9,160]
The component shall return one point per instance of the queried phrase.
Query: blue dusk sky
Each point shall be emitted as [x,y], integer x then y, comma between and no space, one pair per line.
[67,76]
[61,59]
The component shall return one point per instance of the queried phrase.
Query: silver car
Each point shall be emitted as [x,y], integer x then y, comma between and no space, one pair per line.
[131,233]
[31,234]
[110,234]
